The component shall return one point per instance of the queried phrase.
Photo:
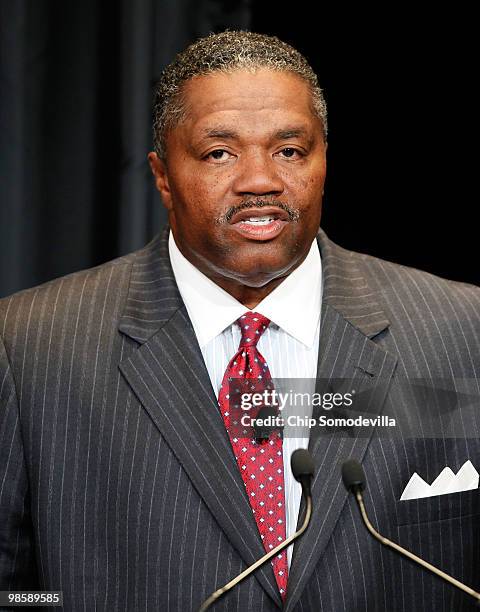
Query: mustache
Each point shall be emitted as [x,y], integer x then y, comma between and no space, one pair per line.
[292,212]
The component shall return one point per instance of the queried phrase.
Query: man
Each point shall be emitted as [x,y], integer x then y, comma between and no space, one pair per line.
[122,482]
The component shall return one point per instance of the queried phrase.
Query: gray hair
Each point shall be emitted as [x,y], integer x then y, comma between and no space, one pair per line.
[226,52]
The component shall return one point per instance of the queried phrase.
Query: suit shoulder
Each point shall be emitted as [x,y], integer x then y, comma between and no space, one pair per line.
[417,290]
[389,273]
[77,295]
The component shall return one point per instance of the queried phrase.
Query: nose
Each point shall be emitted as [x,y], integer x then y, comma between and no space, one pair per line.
[257,174]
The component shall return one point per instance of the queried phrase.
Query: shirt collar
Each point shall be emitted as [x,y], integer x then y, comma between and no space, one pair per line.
[294,305]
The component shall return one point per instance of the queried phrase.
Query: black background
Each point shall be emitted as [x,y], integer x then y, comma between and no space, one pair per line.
[403,122]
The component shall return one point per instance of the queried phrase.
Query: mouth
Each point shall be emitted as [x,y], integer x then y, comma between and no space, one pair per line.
[262,224]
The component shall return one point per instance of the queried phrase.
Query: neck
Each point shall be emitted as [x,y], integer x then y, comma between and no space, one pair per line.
[250,297]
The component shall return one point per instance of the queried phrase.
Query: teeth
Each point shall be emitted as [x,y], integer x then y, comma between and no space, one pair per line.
[259,220]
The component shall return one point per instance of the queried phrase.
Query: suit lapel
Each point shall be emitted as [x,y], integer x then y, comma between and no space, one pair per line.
[169,377]
[351,317]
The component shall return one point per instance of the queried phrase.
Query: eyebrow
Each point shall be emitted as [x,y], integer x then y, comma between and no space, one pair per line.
[220,133]
[287,133]
[226,133]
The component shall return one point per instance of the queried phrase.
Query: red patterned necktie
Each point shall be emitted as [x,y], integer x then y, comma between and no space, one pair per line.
[261,464]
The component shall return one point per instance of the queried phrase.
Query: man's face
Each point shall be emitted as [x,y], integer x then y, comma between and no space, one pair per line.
[243,181]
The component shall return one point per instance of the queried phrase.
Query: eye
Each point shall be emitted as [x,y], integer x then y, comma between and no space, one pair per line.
[218,155]
[290,153]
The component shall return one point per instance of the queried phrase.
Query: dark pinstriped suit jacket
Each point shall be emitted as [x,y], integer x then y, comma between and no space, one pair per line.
[117,481]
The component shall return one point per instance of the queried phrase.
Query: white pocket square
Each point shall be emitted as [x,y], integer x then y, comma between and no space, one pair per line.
[446,482]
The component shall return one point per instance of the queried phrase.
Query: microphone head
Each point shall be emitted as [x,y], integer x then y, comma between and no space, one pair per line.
[353,476]
[302,465]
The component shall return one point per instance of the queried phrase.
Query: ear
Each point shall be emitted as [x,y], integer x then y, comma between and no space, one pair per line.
[159,171]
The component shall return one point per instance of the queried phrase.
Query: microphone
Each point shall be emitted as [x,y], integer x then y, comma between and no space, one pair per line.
[303,469]
[354,480]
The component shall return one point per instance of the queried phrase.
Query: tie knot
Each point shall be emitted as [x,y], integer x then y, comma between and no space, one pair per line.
[252,325]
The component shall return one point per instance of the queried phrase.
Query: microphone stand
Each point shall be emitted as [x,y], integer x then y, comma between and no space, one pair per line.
[302,469]
[214,596]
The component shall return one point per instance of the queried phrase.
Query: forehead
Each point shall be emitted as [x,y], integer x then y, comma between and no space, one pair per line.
[247,98]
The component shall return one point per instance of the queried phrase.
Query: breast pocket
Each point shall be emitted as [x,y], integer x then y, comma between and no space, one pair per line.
[438,508]
[445,531]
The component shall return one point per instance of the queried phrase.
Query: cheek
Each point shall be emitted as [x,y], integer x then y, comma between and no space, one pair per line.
[196,214]
[315,180]
[305,184]
[203,193]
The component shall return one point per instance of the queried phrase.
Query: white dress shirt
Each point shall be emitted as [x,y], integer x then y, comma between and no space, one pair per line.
[289,344]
